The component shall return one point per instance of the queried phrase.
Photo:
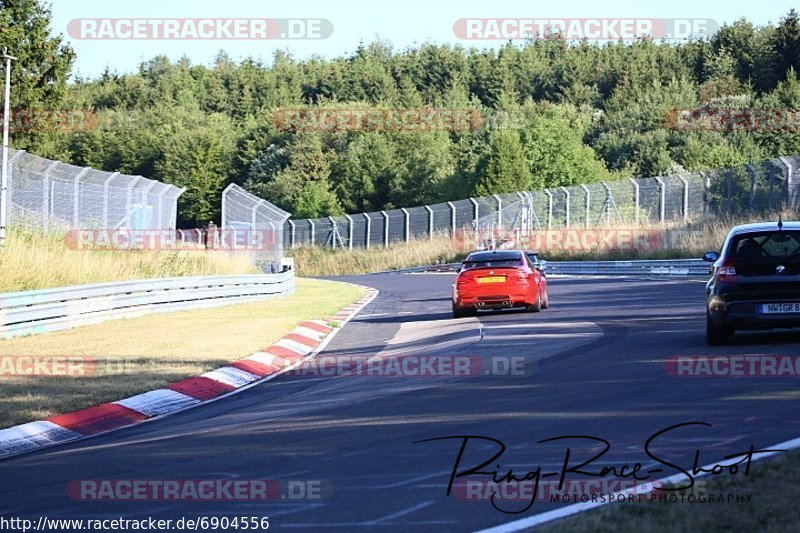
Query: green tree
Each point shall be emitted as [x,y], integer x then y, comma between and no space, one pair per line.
[44,62]
[505,168]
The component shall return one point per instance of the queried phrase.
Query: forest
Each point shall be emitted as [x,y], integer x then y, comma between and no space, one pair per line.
[541,113]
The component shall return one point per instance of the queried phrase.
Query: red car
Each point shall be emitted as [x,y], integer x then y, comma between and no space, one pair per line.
[499,279]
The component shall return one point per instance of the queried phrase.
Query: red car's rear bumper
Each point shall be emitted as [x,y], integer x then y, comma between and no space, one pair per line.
[495,295]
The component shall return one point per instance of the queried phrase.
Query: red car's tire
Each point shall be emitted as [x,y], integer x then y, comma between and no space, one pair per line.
[461,312]
[537,306]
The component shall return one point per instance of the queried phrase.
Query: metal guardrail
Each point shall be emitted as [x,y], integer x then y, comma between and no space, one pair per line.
[45,310]
[655,267]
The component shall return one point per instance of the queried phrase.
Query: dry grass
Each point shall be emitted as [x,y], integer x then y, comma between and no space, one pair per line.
[36,261]
[673,240]
[772,508]
[141,354]
[315,261]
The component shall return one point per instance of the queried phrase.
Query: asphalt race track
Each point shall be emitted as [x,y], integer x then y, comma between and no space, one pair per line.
[593,366]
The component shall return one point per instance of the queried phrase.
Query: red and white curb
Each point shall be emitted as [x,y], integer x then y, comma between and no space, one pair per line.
[306,340]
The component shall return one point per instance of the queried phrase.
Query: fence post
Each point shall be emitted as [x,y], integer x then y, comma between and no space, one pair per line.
[76,200]
[663,198]
[452,218]
[385,229]
[407,223]
[791,186]
[46,196]
[334,232]
[106,188]
[685,198]
[566,200]
[635,199]
[349,232]
[129,199]
[549,208]
[430,222]
[588,194]
[369,225]
[291,234]
[313,239]
[161,208]
[475,218]
[499,211]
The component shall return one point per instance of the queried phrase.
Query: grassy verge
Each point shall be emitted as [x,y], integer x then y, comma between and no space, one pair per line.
[36,261]
[670,241]
[317,261]
[141,354]
[772,508]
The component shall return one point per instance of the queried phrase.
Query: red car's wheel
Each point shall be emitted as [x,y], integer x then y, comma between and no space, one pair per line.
[537,306]
[461,312]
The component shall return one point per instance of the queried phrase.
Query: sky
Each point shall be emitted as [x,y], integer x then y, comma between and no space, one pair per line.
[403,24]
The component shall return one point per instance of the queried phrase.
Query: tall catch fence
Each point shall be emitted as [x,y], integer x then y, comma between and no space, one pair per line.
[254,224]
[762,187]
[46,195]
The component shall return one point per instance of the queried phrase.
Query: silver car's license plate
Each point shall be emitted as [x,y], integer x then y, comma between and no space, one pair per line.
[778,309]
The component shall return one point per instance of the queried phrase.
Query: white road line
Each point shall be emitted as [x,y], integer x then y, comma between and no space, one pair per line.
[403,512]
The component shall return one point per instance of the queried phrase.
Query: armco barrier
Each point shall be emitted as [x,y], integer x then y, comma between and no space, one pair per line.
[656,267]
[40,311]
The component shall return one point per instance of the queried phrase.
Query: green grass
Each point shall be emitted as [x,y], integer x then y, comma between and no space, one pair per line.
[142,354]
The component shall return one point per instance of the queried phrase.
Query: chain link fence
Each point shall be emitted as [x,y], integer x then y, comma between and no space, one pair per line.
[46,195]
[253,224]
[763,187]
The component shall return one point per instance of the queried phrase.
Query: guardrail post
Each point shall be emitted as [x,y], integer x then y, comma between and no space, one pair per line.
[385,229]
[369,225]
[430,222]
[549,208]
[635,199]
[663,199]
[566,200]
[349,232]
[76,200]
[407,223]
[588,194]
